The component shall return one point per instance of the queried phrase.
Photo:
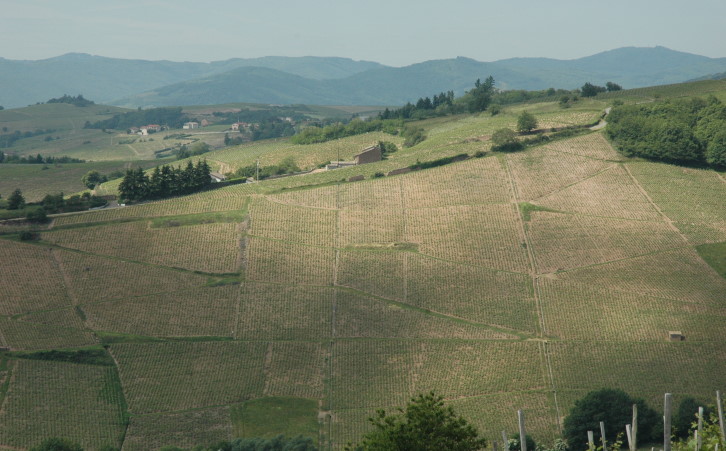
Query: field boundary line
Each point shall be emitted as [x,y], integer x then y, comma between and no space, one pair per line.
[530,252]
[667,220]
[72,298]
[286,204]
[7,382]
[267,363]
[660,251]
[562,188]
[548,362]
[317,246]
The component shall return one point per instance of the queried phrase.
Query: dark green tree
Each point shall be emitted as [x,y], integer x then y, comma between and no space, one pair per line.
[505,140]
[16,201]
[590,90]
[614,407]
[481,95]
[611,87]
[37,215]
[716,150]
[526,122]
[57,444]
[134,186]
[425,424]
[686,415]
[93,178]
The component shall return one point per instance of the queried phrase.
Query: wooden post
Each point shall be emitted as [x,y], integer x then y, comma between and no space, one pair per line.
[629,434]
[602,436]
[591,441]
[699,431]
[667,410]
[495,447]
[505,441]
[634,426]
[522,432]
[721,425]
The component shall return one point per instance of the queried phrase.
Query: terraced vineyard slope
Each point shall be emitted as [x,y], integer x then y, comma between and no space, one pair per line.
[504,282]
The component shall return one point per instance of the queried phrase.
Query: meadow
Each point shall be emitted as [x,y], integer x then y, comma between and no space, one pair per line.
[303,304]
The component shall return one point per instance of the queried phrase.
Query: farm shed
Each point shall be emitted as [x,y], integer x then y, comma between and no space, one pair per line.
[369,155]
[676,335]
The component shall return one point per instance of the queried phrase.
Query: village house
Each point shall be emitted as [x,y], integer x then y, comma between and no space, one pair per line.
[190,125]
[239,125]
[151,128]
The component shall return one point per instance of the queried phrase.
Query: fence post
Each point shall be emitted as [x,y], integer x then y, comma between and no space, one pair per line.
[667,407]
[629,434]
[719,401]
[591,441]
[522,432]
[505,442]
[602,436]
[634,426]
[699,431]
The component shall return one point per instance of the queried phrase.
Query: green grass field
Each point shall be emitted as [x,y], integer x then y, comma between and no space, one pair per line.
[300,305]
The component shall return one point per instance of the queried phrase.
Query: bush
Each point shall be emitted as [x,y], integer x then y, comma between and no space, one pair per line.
[686,415]
[27,235]
[526,122]
[505,140]
[413,136]
[36,215]
[614,407]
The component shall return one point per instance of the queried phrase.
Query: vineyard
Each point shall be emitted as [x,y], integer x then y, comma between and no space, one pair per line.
[505,281]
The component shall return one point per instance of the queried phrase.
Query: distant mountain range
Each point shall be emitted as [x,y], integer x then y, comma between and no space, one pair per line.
[327,80]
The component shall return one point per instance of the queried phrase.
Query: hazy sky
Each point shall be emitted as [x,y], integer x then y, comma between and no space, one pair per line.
[393,32]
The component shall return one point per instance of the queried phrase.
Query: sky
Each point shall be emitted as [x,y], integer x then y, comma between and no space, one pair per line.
[392,32]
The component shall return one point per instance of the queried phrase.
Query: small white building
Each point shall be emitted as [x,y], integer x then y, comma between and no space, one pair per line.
[190,125]
[217,177]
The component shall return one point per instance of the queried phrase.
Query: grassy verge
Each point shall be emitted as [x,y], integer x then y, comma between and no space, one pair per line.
[270,417]
[715,255]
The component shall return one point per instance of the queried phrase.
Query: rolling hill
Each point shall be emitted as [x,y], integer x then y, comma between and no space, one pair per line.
[327,80]
[505,281]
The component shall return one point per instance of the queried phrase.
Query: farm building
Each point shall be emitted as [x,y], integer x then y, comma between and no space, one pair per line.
[369,155]
[676,335]
[217,177]
[190,125]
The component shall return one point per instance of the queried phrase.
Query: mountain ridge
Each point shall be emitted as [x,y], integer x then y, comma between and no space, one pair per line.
[328,80]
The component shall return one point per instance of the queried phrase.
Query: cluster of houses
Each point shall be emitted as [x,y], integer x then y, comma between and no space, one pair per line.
[145,129]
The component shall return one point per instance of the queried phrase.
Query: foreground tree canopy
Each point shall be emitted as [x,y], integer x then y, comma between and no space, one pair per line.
[615,409]
[425,424]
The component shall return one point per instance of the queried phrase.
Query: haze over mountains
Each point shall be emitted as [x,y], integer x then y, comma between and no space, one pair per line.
[327,80]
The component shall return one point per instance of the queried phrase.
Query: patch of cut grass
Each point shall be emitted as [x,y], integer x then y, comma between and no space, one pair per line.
[271,416]
[715,255]
[200,218]
[526,208]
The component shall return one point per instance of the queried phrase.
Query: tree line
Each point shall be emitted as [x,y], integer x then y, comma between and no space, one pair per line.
[38,159]
[164,181]
[78,100]
[313,135]
[8,139]
[169,116]
[689,131]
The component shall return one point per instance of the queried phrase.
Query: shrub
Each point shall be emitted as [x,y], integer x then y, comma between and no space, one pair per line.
[614,407]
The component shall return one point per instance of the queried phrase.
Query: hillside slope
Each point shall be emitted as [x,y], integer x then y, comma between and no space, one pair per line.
[506,282]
